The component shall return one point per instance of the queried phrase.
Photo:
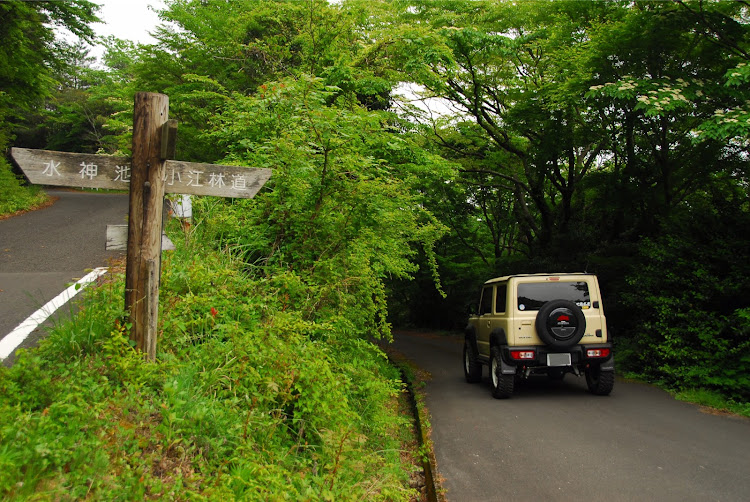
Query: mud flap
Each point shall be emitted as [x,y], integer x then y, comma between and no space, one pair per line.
[608,365]
[509,369]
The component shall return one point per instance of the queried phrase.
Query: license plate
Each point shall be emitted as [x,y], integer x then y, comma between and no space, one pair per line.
[558,359]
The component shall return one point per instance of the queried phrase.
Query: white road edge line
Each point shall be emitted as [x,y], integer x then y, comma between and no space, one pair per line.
[16,337]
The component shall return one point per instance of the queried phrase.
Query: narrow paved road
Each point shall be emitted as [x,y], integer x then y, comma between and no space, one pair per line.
[42,251]
[554,441]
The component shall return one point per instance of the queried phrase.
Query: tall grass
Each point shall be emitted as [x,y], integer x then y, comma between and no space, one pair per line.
[242,403]
[14,196]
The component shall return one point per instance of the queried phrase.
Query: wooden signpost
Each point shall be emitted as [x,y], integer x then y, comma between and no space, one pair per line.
[148,175]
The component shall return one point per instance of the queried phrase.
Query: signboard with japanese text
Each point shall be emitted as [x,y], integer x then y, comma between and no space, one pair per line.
[45,167]
[147,176]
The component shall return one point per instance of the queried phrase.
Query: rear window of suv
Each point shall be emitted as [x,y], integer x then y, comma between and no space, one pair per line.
[532,295]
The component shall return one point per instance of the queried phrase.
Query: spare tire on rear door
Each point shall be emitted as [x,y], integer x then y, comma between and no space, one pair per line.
[560,323]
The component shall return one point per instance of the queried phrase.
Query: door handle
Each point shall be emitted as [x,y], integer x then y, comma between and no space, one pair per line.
[489,324]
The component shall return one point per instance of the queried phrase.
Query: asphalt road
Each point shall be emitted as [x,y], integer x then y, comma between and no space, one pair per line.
[42,252]
[555,441]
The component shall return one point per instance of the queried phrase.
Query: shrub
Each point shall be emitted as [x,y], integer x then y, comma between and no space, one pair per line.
[691,309]
[14,196]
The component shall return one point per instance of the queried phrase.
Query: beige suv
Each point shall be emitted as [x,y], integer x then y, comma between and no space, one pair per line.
[539,323]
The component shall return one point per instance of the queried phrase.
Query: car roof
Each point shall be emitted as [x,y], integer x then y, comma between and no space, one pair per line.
[562,274]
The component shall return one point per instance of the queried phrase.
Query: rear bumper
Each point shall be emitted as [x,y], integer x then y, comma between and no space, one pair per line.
[578,358]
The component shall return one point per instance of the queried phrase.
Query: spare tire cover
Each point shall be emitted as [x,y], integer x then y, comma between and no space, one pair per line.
[560,323]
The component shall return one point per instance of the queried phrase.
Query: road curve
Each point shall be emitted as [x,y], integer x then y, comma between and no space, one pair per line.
[555,441]
[43,251]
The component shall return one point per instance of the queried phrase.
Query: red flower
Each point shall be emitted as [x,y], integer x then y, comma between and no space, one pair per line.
[214,311]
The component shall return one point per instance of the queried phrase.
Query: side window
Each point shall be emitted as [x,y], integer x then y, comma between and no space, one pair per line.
[501,297]
[485,306]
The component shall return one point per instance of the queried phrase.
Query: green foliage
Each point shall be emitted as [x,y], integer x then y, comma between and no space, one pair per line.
[713,400]
[14,196]
[340,216]
[517,75]
[29,51]
[27,57]
[77,117]
[595,129]
[606,136]
[723,61]
[244,401]
[224,48]
[59,403]
[691,313]
[733,122]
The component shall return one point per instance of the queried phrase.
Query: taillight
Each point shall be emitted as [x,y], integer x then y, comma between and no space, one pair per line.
[522,354]
[597,353]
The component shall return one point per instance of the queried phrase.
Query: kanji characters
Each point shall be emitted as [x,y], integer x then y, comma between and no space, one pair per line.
[239,182]
[172,176]
[217,180]
[195,178]
[123,173]
[90,170]
[50,168]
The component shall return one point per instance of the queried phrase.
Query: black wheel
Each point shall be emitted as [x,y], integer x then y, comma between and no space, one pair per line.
[600,382]
[560,324]
[502,385]
[472,367]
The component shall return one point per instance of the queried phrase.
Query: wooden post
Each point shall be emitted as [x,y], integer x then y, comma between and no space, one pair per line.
[143,270]
[148,175]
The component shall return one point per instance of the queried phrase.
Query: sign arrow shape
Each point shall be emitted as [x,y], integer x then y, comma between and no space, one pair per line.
[85,170]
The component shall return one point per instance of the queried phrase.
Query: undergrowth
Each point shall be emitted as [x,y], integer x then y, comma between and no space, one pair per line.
[14,196]
[713,400]
[248,399]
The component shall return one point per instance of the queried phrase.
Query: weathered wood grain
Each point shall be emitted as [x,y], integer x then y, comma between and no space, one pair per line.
[213,179]
[143,261]
[47,167]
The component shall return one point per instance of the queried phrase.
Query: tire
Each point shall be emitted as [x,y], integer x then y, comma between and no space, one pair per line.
[502,385]
[472,367]
[600,382]
[560,324]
